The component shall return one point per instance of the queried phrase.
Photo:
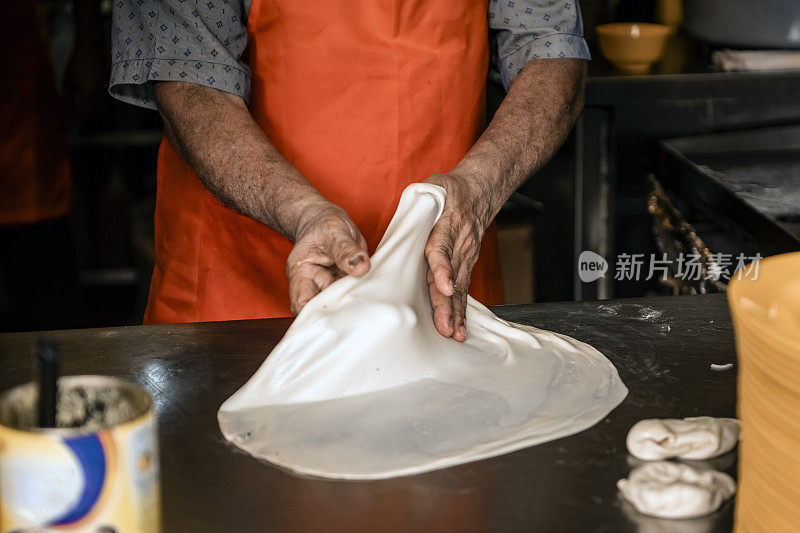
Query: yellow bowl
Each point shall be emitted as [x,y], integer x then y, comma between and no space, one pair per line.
[633,47]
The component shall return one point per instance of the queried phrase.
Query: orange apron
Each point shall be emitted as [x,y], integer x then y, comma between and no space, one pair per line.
[364,97]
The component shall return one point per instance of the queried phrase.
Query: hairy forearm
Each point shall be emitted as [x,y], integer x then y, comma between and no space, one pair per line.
[532,122]
[215,133]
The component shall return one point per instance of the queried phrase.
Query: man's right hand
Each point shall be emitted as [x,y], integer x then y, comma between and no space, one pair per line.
[328,246]
[215,133]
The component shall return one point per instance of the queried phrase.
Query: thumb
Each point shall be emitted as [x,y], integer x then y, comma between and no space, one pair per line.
[349,254]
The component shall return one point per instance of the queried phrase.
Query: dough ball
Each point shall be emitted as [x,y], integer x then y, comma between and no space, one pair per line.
[701,437]
[676,490]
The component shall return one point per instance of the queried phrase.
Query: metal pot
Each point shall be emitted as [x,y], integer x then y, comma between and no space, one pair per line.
[744,23]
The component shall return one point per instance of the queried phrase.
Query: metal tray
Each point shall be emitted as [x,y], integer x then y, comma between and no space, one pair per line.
[748,180]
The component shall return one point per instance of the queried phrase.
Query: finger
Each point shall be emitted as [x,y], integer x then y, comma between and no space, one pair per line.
[460,306]
[323,277]
[442,308]
[349,254]
[305,256]
[439,252]
[301,290]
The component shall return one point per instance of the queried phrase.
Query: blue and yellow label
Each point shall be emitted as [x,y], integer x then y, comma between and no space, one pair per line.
[102,481]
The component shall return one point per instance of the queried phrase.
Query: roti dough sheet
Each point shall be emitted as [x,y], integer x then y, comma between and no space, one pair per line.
[362,386]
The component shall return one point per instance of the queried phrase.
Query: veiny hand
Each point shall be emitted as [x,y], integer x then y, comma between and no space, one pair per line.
[328,246]
[452,250]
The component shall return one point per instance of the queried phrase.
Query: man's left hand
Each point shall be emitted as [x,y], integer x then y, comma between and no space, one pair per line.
[452,250]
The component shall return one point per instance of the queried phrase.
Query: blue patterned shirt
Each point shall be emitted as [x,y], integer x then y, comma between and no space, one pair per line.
[202,41]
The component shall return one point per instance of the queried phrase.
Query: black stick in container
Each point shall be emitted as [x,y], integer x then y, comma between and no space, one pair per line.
[47,358]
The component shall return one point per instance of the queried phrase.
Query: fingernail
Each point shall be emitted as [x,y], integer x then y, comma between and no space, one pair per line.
[356,260]
[463,331]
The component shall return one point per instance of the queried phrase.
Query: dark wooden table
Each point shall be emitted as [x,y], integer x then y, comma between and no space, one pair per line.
[662,347]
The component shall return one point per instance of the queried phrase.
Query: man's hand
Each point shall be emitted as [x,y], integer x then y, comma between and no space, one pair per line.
[531,123]
[452,251]
[215,133]
[328,247]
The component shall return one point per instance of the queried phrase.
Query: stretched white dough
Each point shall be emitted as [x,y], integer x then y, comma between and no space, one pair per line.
[363,387]
[676,490]
[701,437]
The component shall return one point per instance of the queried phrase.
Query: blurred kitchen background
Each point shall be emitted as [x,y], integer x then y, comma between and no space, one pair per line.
[689,140]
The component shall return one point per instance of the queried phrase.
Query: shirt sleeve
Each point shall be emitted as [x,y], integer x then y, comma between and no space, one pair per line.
[197,41]
[535,29]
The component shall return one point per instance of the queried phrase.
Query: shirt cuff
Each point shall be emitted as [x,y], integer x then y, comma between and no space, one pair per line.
[132,80]
[521,49]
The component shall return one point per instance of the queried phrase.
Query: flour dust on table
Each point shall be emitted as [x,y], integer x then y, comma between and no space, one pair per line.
[362,386]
